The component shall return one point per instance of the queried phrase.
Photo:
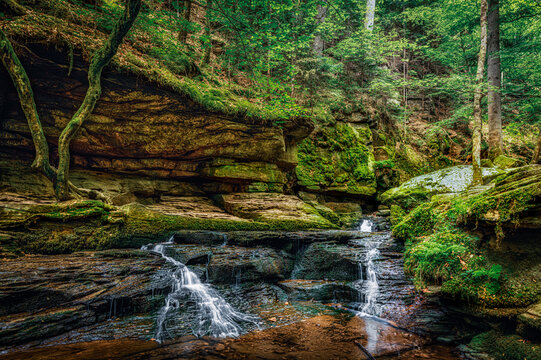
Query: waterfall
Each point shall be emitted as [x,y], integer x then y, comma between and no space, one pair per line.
[215,316]
[370,306]
[367,273]
[366,226]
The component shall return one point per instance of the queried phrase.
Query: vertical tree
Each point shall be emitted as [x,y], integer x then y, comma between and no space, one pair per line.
[477,114]
[495,142]
[186,16]
[370,12]
[60,176]
[317,46]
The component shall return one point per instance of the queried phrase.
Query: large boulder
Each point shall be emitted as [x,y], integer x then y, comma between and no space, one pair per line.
[450,180]
[328,261]
[272,207]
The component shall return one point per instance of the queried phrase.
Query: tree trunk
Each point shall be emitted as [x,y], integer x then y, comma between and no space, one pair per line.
[370,12]
[495,141]
[208,45]
[317,46]
[26,97]
[477,114]
[100,59]
[536,155]
[186,15]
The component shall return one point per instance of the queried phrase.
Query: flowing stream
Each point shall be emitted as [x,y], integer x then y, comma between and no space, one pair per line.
[215,317]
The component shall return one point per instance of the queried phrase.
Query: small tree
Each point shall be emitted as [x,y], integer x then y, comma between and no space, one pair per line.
[477,114]
[60,177]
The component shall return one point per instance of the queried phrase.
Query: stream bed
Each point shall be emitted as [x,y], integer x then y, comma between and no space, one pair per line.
[203,294]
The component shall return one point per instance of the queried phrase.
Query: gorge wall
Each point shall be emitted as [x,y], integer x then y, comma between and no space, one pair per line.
[148,139]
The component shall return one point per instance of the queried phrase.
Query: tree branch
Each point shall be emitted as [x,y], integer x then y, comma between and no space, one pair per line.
[100,59]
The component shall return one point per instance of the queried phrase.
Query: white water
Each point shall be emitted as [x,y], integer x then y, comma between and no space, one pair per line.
[370,307]
[366,226]
[370,285]
[215,316]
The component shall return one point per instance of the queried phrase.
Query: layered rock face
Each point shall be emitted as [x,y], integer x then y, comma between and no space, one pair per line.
[139,129]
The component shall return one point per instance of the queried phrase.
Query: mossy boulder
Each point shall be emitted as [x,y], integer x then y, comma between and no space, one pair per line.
[338,159]
[506,162]
[275,208]
[420,189]
[505,347]
[529,323]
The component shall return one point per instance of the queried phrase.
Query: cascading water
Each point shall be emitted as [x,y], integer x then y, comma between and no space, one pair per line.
[366,226]
[216,318]
[370,286]
[369,308]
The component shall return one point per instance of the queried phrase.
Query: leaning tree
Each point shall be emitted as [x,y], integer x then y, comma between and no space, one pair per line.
[64,189]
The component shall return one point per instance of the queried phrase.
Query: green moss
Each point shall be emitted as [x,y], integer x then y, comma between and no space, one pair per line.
[506,347]
[420,222]
[397,214]
[506,162]
[337,158]
[438,251]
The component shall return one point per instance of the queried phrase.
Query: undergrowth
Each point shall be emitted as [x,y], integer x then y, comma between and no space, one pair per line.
[439,251]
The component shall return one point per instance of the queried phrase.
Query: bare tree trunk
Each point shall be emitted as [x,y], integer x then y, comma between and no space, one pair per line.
[536,154]
[317,46]
[477,114]
[206,56]
[26,97]
[370,12]
[495,141]
[100,59]
[186,15]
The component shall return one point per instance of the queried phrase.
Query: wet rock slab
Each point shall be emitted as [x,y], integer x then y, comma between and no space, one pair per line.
[291,240]
[234,265]
[319,290]
[44,296]
[320,337]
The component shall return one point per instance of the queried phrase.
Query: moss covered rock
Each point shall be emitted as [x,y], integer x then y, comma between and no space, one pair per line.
[506,162]
[419,189]
[338,159]
[498,269]
[275,208]
[506,347]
